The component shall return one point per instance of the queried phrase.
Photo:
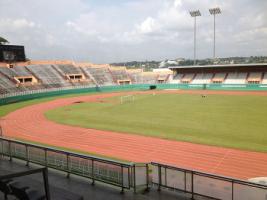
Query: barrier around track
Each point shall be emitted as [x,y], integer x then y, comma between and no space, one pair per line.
[134,175]
[121,174]
[28,95]
[205,185]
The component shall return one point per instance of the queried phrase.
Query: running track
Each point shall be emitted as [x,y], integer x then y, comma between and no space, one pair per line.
[29,123]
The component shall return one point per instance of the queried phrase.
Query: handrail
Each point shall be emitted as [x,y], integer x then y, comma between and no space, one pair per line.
[122,174]
[45,90]
[69,152]
[190,175]
[103,170]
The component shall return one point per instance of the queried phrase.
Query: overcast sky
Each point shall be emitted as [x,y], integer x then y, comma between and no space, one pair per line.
[104,31]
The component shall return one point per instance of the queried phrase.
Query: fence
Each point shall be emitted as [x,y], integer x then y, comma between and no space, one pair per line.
[134,175]
[206,185]
[27,95]
[107,171]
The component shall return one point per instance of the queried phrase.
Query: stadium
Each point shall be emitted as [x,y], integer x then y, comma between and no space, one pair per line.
[187,127]
[143,127]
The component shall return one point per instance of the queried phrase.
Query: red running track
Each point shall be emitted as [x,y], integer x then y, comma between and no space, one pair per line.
[30,124]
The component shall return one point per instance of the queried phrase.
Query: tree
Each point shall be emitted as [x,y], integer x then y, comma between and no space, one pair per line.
[3,41]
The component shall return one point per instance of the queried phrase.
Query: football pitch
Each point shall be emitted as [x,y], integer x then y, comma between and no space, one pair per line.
[220,120]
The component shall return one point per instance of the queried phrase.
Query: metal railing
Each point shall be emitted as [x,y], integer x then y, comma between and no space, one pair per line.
[205,185]
[134,175]
[44,90]
[107,171]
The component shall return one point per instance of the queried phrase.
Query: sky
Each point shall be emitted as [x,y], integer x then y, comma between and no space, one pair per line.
[105,31]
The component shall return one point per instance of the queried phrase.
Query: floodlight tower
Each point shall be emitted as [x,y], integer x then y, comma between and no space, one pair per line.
[195,14]
[214,12]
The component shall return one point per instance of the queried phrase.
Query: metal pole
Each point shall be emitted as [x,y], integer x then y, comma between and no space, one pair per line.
[134,178]
[214,37]
[46,184]
[122,186]
[214,11]
[195,18]
[68,165]
[27,156]
[10,151]
[93,173]
[159,177]
[195,14]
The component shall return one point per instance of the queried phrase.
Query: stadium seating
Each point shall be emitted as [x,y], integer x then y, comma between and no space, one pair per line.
[177,78]
[119,74]
[68,69]
[101,75]
[56,75]
[187,78]
[236,78]
[264,80]
[149,78]
[49,77]
[219,77]
[74,74]
[8,86]
[15,71]
[163,77]
[254,77]
[135,75]
[202,78]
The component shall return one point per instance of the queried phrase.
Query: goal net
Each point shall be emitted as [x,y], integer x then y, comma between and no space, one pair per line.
[127,99]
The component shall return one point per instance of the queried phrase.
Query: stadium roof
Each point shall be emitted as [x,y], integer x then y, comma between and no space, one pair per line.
[218,66]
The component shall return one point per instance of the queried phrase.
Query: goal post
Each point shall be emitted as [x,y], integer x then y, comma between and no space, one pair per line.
[126,99]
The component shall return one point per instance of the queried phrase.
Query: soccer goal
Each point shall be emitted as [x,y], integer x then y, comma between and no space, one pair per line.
[127,99]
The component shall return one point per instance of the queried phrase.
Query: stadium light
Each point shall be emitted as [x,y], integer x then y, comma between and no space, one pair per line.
[195,14]
[214,12]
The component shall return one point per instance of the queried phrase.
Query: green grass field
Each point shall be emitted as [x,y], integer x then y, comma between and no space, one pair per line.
[229,121]
[5,109]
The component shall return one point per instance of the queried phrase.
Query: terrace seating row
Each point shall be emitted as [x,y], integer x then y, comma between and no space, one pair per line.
[7,86]
[15,71]
[236,78]
[119,74]
[135,76]
[149,78]
[48,75]
[264,79]
[101,75]
[68,69]
[202,78]
[226,78]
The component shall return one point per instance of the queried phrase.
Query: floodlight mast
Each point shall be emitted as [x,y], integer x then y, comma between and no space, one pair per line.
[195,14]
[214,12]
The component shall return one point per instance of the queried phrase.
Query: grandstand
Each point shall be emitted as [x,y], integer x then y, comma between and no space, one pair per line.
[119,75]
[177,78]
[255,77]
[101,75]
[135,75]
[149,78]
[187,78]
[38,75]
[221,74]
[202,78]
[48,76]
[218,77]
[17,80]
[264,79]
